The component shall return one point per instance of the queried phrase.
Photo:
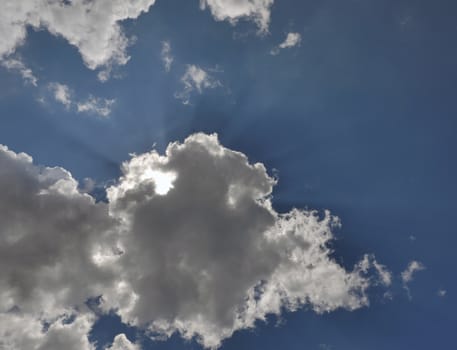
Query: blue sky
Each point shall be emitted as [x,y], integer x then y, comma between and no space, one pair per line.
[355,114]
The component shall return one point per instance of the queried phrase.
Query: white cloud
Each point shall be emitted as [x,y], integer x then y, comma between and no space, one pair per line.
[234,10]
[384,274]
[166,55]
[14,64]
[92,105]
[92,26]
[61,93]
[96,105]
[195,79]
[408,274]
[121,342]
[292,39]
[441,292]
[188,242]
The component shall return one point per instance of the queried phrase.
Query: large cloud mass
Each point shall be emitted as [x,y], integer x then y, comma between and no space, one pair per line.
[47,234]
[187,242]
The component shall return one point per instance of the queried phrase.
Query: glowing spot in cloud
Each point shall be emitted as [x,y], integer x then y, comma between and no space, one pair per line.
[163,181]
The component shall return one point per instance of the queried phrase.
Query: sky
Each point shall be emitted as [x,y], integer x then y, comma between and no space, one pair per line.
[228,174]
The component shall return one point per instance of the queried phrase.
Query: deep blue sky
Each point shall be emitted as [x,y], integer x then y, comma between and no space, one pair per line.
[360,119]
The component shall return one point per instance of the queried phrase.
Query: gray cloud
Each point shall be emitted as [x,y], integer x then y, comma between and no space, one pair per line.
[24,331]
[48,231]
[188,242]
[207,255]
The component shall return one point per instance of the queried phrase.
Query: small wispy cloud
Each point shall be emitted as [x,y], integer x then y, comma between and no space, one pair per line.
[384,274]
[166,56]
[96,105]
[408,274]
[441,292]
[292,39]
[195,79]
[92,105]
[17,65]
[61,93]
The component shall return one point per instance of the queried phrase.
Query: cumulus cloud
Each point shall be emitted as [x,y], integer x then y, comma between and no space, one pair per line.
[234,10]
[121,342]
[187,242]
[92,105]
[48,231]
[205,253]
[22,331]
[14,64]
[292,39]
[195,79]
[92,26]
[166,56]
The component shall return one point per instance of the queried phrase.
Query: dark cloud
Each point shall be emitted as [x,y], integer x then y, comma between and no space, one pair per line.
[188,242]
[211,256]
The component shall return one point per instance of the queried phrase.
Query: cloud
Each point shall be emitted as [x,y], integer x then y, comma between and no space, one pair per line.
[14,64]
[234,10]
[413,266]
[187,242]
[61,93]
[91,26]
[441,292]
[121,342]
[166,55]
[195,79]
[96,105]
[384,274]
[292,39]
[204,252]
[408,274]
[19,331]
[92,105]
[48,233]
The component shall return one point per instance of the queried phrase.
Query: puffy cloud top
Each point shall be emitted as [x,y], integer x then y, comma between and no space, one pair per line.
[233,10]
[188,242]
